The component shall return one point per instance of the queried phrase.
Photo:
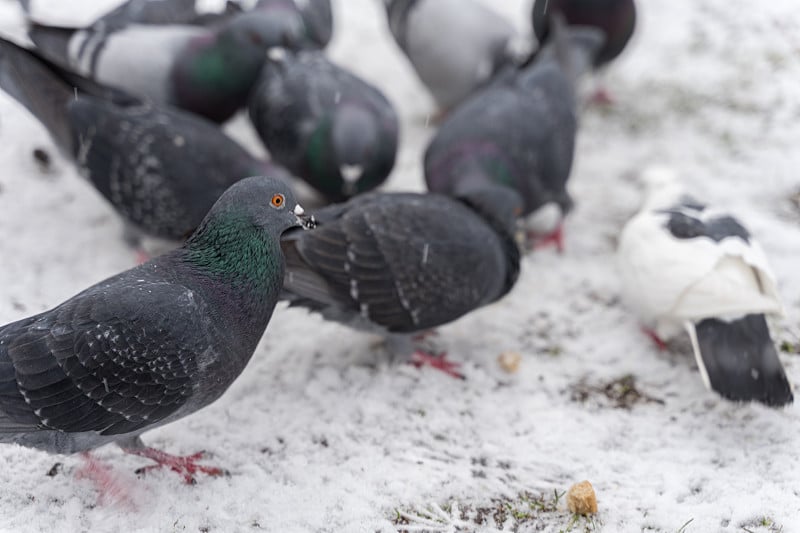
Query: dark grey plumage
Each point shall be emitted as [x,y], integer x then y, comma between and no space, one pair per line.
[326,125]
[161,169]
[399,263]
[519,131]
[151,344]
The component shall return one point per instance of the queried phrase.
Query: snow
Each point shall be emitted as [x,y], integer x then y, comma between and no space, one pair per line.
[319,434]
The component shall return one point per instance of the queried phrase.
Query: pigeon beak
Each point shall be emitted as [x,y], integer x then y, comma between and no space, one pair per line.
[305,221]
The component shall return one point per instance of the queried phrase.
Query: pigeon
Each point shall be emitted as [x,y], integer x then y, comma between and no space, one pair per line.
[152,344]
[209,71]
[316,16]
[520,132]
[455,46]
[400,264]
[161,169]
[323,123]
[616,18]
[687,265]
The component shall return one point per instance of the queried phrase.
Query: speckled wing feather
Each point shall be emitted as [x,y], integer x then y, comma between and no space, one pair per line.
[406,262]
[111,361]
[161,169]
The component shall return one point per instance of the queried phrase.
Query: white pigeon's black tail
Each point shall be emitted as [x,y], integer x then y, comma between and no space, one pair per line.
[35,85]
[738,360]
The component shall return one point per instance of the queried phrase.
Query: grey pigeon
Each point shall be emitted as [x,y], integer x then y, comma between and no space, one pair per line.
[154,343]
[455,46]
[402,263]
[689,266]
[316,15]
[161,169]
[206,70]
[520,132]
[324,124]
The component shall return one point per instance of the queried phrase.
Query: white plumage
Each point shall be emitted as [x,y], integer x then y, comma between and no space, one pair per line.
[683,263]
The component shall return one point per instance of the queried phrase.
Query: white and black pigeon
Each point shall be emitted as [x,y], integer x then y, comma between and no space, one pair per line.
[208,70]
[520,132]
[152,344]
[400,264]
[455,46]
[161,169]
[325,124]
[686,265]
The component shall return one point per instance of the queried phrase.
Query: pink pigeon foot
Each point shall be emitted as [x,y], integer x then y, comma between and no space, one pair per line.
[184,465]
[111,489]
[438,361]
[555,238]
[601,97]
[658,341]
[142,256]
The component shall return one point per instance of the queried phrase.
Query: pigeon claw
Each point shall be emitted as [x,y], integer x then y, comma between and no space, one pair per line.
[437,361]
[556,238]
[186,466]
[658,341]
[601,97]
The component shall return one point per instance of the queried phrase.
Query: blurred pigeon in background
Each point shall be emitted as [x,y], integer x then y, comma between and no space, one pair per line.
[520,132]
[455,46]
[317,16]
[161,169]
[402,263]
[209,71]
[151,344]
[327,126]
[685,265]
[616,18]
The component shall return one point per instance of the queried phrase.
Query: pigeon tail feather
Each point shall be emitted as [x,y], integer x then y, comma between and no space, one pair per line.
[31,82]
[738,360]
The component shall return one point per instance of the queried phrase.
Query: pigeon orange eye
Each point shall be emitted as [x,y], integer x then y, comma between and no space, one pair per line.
[277,201]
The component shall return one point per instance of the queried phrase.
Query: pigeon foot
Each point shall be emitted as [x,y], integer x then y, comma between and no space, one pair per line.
[601,97]
[186,466]
[437,361]
[112,490]
[556,238]
[658,341]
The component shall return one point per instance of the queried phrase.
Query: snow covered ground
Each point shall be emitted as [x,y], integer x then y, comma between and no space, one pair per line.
[316,439]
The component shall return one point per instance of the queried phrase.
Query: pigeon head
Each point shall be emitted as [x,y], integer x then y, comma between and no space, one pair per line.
[574,47]
[501,206]
[290,15]
[354,138]
[662,187]
[240,235]
[257,31]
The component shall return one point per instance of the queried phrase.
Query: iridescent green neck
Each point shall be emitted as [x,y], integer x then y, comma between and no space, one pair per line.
[213,66]
[233,249]
[318,150]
